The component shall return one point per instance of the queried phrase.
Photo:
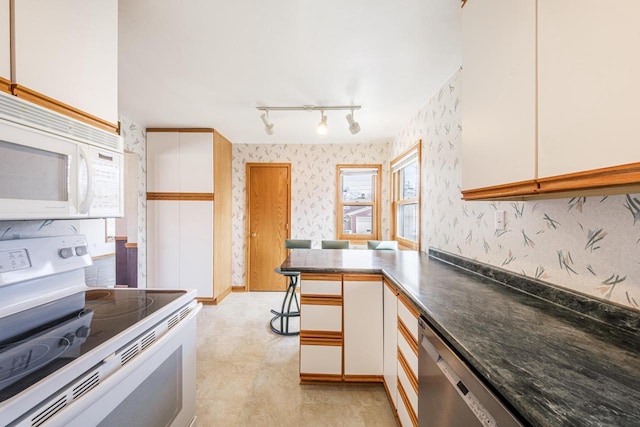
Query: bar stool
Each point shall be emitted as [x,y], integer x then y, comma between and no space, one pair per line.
[290,295]
[335,244]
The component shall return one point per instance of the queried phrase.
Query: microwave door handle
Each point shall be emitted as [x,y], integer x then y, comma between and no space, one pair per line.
[85,204]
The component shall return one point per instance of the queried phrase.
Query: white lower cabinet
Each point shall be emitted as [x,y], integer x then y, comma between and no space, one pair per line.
[320,360]
[179,255]
[390,342]
[363,326]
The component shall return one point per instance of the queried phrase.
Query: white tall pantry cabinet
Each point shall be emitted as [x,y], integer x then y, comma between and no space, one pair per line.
[188,223]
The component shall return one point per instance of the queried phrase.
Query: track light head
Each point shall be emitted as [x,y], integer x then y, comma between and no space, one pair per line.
[322,126]
[268,127]
[354,127]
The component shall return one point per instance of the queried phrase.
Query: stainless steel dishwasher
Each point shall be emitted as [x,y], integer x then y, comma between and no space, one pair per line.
[450,395]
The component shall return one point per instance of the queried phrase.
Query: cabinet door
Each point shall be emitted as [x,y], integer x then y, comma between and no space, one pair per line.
[499,92]
[196,246]
[588,84]
[5,40]
[163,165]
[390,359]
[196,162]
[68,51]
[363,326]
[163,237]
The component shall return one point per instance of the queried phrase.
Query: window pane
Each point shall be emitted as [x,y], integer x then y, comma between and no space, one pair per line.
[408,221]
[357,220]
[357,187]
[409,181]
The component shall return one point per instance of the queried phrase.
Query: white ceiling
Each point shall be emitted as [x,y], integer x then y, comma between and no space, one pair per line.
[209,63]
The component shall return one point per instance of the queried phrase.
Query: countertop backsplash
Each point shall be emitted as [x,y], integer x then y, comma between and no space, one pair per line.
[587,244]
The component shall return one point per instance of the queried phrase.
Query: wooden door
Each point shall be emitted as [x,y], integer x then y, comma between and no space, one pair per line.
[269,213]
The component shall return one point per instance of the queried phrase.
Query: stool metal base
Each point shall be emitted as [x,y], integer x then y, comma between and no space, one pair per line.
[285,313]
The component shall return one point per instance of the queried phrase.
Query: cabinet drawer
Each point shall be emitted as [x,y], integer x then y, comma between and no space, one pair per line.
[408,353]
[409,316]
[408,416]
[408,385]
[321,287]
[321,318]
[320,359]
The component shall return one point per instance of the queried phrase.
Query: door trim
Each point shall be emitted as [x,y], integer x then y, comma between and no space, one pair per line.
[247,213]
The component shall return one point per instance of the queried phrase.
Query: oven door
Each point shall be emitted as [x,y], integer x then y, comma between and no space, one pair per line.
[156,388]
[37,174]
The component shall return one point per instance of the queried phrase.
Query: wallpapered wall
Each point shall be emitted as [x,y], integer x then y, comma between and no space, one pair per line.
[135,141]
[588,244]
[313,189]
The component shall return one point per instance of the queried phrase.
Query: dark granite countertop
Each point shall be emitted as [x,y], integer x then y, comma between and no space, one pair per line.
[554,365]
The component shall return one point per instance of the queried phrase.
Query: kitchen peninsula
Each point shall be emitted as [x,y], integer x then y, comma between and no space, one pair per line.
[554,357]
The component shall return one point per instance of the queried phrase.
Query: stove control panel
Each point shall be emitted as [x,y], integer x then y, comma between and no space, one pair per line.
[16,259]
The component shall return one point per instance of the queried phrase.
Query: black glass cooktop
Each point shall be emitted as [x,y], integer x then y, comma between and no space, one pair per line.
[36,342]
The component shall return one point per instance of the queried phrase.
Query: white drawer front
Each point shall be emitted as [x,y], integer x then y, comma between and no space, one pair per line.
[408,388]
[408,353]
[321,318]
[321,287]
[321,359]
[403,414]
[410,321]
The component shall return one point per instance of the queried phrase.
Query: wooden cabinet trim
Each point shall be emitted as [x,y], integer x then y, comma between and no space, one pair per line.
[319,276]
[361,277]
[209,197]
[610,180]
[412,309]
[363,378]
[335,300]
[501,191]
[628,174]
[5,85]
[413,379]
[322,378]
[330,338]
[392,288]
[413,343]
[62,108]
[407,404]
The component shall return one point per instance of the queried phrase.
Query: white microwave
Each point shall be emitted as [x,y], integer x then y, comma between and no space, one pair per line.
[44,175]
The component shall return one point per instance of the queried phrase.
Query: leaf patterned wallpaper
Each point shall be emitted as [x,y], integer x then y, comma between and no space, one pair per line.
[313,192]
[587,244]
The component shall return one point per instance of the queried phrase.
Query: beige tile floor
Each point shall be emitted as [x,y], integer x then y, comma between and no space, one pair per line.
[248,376]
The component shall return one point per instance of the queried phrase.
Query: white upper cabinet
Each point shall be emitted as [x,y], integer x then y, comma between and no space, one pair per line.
[498,92]
[67,50]
[196,162]
[163,165]
[589,84]
[180,162]
[5,43]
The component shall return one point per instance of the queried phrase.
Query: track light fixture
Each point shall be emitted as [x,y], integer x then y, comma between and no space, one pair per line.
[268,127]
[354,127]
[322,126]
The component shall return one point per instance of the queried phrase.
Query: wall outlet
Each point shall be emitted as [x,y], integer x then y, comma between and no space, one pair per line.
[499,220]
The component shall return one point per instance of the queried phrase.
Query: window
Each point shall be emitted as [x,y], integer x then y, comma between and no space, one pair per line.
[405,198]
[358,198]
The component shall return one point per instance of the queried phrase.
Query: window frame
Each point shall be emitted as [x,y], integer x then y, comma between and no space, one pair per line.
[375,203]
[396,193]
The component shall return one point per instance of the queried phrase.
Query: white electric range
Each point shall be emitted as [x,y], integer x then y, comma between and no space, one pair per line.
[71,355]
